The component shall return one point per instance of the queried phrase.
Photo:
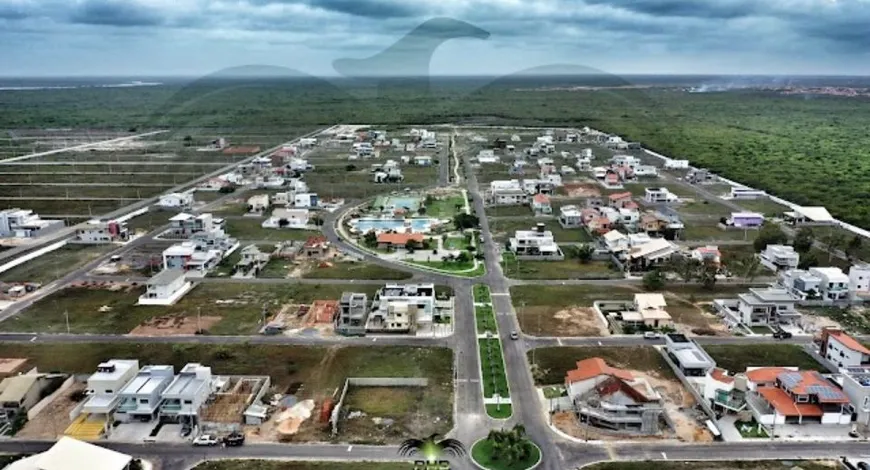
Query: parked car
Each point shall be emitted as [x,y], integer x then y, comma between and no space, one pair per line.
[206,440]
[651,335]
[515,335]
[782,334]
[186,430]
[235,439]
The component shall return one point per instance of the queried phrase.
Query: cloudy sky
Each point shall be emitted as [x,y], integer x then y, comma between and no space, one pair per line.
[494,37]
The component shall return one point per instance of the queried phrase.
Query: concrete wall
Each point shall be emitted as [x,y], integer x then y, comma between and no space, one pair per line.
[35,409]
[688,386]
[371,382]
[34,255]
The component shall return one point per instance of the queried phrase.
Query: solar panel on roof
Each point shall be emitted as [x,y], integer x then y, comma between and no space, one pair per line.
[790,379]
[825,392]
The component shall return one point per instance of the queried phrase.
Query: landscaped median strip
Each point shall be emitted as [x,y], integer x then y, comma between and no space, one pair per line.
[496,395]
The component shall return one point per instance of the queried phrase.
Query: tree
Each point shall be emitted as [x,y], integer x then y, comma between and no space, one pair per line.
[584,253]
[748,267]
[510,446]
[808,260]
[770,234]
[188,140]
[804,239]
[834,240]
[707,275]
[854,245]
[654,280]
[317,220]
[463,257]
[370,239]
[421,211]
[412,245]
[465,221]
[283,222]
[688,269]
[350,167]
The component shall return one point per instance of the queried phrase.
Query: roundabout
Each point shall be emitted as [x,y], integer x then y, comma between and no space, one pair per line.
[506,450]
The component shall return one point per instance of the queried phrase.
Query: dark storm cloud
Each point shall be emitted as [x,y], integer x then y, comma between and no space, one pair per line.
[718,9]
[115,13]
[372,8]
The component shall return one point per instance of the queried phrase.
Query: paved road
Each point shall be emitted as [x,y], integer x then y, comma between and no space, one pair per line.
[79,147]
[66,232]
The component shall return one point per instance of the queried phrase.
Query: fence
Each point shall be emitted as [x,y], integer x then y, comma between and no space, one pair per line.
[30,256]
[370,382]
[31,413]
[702,402]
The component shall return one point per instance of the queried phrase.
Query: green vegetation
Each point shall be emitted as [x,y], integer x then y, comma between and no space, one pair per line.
[356,270]
[239,306]
[733,133]
[485,320]
[502,229]
[737,358]
[481,293]
[508,211]
[248,464]
[565,269]
[499,411]
[567,296]
[553,363]
[455,268]
[55,264]
[250,229]
[444,207]
[713,465]
[506,450]
[492,368]
[751,430]
[852,319]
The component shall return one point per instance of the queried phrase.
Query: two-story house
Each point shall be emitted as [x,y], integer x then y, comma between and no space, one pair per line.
[570,217]
[659,196]
[165,287]
[537,243]
[104,385]
[188,392]
[141,397]
[407,307]
[768,306]
[779,257]
[353,313]
[842,349]
[780,396]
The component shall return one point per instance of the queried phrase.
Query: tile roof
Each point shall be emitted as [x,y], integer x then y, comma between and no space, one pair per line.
[618,196]
[594,367]
[765,374]
[810,382]
[542,199]
[315,241]
[720,375]
[399,238]
[784,404]
[849,341]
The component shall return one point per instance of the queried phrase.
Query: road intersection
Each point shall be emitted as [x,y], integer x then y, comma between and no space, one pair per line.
[470,420]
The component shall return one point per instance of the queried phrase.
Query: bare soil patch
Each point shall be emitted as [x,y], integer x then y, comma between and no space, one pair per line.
[572,321]
[172,325]
[53,420]
[582,190]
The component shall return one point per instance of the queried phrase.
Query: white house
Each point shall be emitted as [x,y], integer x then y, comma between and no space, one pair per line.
[677,164]
[165,288]
[295,219]
[834,283]
[305,200]
[258,204]
[21,223]
[535,243]
[646,171]
[189,256]
[780,396]
[570,217]
[615,241]
[98,232]
[282,199]
[140,398]
[423,160]
[742,192]
[859,278]
[778,257]
[659,195]
[300,164]
[176,200]
[842,349]
[104,385]
[187,393]
[541,204]
[488,156]
[768,306]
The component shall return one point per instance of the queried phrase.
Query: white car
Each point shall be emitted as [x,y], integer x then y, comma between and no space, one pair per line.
[651,335]
[206,440]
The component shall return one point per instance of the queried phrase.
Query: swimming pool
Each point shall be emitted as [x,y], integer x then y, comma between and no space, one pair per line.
[421,225]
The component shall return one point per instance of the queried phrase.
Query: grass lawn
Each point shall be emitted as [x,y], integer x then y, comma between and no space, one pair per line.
[248,464]
[250,229]
[736,358]
[492,368]
[454,268]
[712,465]
[710,231]
[751,430]
[456,243]
[481,293]
[207,196]
[704,207]
[484,455]
[761,330]
[508,211]
[499,411]
[762,205]
[485,320]
[504,229]
[555,362]
[149,221]
[445,207]
[356,270]
[851,319]
[403,405]
[240,307]
[567,296]
[55,264]
[565,269]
